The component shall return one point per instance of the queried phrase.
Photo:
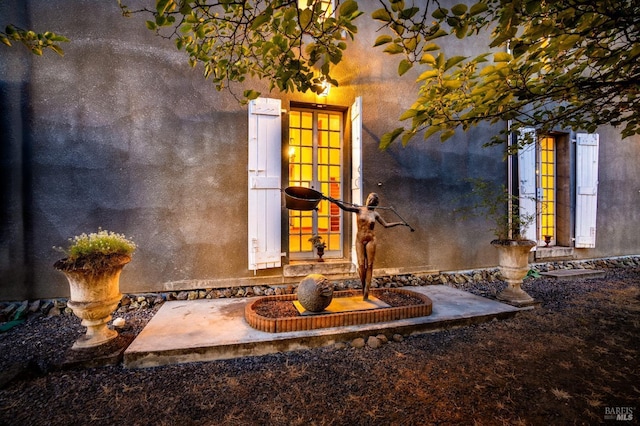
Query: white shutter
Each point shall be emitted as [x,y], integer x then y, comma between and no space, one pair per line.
[356,167]
[527,178]
[265,142]
[587,189]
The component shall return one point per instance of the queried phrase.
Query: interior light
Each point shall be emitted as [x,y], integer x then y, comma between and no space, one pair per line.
[326,87]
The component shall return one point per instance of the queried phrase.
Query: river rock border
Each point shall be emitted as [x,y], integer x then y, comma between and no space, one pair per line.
[17,310]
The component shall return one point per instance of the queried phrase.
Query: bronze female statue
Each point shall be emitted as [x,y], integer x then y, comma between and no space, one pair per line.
[365,237]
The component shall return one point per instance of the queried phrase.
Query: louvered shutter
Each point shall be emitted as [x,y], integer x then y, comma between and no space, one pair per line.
[527,180]
[356,167]
[264,196]
[587,189]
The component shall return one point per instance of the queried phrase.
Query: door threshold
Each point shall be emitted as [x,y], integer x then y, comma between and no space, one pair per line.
[329,267]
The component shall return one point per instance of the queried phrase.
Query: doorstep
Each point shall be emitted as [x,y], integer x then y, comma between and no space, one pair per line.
[328,268]
[554,253]
[574,274]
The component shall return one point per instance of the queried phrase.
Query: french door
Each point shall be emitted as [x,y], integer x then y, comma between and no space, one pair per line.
[315,161]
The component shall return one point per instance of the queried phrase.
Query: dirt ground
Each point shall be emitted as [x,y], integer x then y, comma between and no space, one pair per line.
[572,360]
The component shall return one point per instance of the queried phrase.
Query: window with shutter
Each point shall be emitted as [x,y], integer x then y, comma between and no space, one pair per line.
[545,175]
[587,189]
[264,198]
[527,180]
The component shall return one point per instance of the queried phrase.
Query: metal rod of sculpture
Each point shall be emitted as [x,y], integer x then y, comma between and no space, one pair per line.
[366,217]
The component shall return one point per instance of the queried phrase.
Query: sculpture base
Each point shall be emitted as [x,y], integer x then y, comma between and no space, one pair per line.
[326,319]
[345,304]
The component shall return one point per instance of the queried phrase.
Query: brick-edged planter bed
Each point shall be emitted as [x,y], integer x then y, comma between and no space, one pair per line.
[325,320]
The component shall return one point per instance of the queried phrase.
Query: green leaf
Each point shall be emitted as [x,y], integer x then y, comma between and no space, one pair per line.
[428,59]
[163,5]
[452,84]
[459,9]
[461,32]
[478,8]
[440,13]
[388,138]
[437,34]
[394,49]
[383,39]
[409,13]
[406,137]
[185,9]
[381,15]
[410,113]
[57,49]
[410,43]
[151,25]
[404,66]
[58,37]
[453,61]
[305,18]
[502,57]
[487,70]
[348,7]
[261,19]
[447,134]
[428,74]
[431,130]
[397,5]
[251,94]
[430,47]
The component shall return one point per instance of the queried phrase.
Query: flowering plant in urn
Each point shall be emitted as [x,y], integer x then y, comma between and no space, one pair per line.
[93,265]
[319,245]
[96,252]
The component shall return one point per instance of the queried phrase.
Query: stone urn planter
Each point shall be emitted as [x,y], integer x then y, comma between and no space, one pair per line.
[513,263]
[502,208]
[95,294]
[93,268]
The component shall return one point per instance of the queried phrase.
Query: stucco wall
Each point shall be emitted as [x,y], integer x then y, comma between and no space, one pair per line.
[122,134]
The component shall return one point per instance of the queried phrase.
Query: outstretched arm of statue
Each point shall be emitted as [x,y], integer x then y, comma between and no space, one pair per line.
[389,224]
[343,206]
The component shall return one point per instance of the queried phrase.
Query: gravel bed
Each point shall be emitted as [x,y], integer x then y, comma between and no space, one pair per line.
[572,359]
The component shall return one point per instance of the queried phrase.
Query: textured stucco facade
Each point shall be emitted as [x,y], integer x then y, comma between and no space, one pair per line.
[122,134]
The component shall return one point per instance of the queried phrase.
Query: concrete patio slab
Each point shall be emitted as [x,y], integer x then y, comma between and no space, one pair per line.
[213,329]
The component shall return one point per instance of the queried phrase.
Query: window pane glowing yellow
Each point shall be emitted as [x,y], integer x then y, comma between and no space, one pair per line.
[307,120]
[548,188]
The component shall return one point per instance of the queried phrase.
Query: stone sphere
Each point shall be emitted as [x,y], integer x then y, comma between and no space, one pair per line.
[315,292]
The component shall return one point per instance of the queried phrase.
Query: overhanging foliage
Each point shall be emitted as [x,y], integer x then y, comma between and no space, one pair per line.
[294,48]
[549,65]
[35,42]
